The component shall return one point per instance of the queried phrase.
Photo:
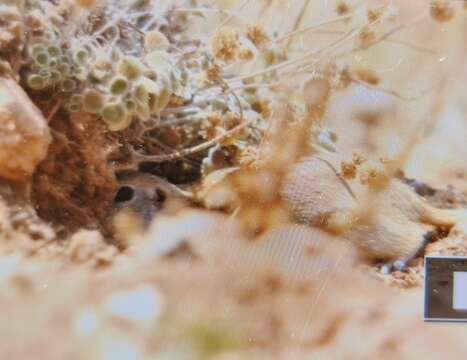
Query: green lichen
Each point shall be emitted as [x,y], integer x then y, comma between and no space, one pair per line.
[210,340]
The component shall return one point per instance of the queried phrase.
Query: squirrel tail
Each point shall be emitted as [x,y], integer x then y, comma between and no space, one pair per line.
[444,217]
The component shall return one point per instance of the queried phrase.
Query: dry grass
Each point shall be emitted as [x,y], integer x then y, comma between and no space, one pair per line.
[234,95]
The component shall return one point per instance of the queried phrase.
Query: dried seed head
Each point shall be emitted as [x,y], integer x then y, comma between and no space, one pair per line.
[118,85]
[41,58]
[162,101]
[80,73]
[130,105]
[68,85]
[366,37]
[159,61]
[211,75]
[76,99]
[344,79]
[441,10]
[93,101]
[155,40]
[54,51]
[37,48]
[358,159]
[257,35]
[87,4]
[370,176]
[145,93]
[81,56]
[247,51]
[225,43]
[44,73]
[342,8]
[367,75]
[348,170]
[246,54]
[64,69]
[51,34]
[130,67]
[74,107]
[374,15]
[55,77]
[36,82]
[115,117]
[142,111]
[141,94]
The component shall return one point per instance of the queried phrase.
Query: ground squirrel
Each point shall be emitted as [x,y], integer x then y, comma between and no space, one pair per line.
[394,225]
[393,229]
[145,194]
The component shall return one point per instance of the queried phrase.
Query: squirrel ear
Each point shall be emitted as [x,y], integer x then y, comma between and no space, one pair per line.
[161,195]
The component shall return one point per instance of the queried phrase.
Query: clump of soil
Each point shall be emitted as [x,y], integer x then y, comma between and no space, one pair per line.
[75,184]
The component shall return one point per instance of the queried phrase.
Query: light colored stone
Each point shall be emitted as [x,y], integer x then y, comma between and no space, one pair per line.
[24,133]
[142,305]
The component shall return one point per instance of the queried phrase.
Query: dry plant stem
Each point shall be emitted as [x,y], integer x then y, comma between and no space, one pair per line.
[63,138]
[407,44]
[412,46]
[295,61]
[306,55]
[163,146]
[193,107]
[54,109]
[291,34]
[180,154]
[189,119]
[257,86]
[299,19]
[267,135]
[193,150]
[393,92]
[209,10]
[434,112]
[384,36]
[109,25]
[230,17]
[315,26]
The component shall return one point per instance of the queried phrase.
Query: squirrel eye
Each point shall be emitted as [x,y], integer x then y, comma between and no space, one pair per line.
[125,193]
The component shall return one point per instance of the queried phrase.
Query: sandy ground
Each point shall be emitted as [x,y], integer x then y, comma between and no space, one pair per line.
[194,287]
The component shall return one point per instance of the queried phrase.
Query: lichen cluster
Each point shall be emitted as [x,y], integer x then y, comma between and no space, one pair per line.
[131,67]
[84,76]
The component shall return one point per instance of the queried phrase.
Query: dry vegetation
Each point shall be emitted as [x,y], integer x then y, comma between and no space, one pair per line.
[153,202]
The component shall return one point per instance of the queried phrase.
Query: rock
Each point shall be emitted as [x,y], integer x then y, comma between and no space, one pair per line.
[142,305]
[11,31]
[89,247]
[24,133]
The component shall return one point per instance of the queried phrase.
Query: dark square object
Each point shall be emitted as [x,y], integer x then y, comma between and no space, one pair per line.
[440,302]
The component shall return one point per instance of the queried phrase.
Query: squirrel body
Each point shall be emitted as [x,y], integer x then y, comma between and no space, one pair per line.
[387,224]
[390,223]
